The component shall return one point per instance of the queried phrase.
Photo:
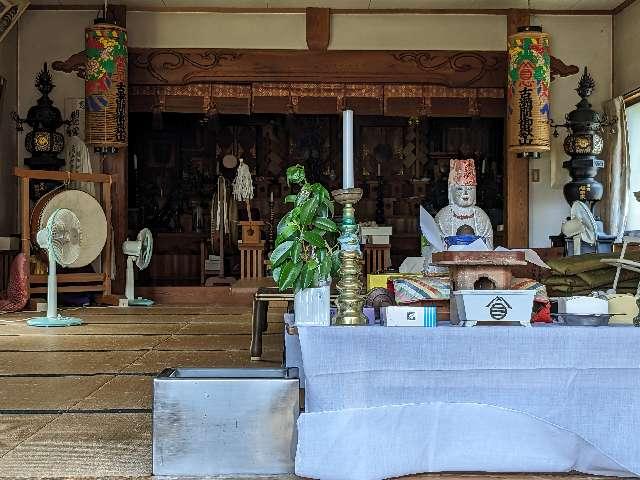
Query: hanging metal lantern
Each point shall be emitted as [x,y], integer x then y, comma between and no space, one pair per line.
[106,87]
[528,92]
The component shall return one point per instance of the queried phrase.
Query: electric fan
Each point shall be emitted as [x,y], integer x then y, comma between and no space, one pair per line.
[61,239]
[139,251]
[581,226]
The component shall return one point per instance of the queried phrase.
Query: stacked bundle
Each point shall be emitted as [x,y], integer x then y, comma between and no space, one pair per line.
[580,275]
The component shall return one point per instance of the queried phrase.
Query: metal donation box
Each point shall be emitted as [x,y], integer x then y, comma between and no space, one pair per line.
[225,421]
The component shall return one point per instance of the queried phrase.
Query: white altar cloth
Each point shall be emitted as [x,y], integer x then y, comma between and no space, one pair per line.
[383,402]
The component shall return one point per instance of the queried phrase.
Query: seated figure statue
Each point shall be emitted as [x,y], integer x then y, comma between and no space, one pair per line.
[461,216]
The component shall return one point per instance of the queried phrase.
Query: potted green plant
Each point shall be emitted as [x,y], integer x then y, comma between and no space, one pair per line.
[305,257]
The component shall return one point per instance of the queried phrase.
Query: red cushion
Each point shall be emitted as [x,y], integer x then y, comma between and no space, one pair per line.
[17,296]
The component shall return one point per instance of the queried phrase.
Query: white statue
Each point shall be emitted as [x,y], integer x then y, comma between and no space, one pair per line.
[461,216]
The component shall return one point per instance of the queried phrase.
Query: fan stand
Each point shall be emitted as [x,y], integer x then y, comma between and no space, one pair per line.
[130,288]
[53,319]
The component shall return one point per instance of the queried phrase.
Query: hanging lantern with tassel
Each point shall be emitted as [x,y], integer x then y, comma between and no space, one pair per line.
[106,88]
[528,92]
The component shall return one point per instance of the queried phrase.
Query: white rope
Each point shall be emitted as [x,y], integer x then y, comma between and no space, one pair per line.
[243,185]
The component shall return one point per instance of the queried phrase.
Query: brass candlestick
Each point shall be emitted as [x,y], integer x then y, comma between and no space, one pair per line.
[350,298]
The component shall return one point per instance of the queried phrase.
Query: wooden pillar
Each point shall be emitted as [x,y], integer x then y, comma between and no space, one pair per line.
[117,165]
[516,169]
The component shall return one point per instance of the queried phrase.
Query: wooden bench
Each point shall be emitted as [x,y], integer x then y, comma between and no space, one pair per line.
[259,322]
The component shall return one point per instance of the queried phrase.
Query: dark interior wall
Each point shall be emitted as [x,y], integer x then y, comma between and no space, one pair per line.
[8,136]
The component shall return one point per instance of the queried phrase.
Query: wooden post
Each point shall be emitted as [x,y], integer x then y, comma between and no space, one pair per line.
[117,165]
[106,253]
[516,222]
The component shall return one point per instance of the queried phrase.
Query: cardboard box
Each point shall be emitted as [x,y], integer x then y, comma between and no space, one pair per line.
[409,316]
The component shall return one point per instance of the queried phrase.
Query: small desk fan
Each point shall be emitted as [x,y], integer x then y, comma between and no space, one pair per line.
[61,239]
[581,226]
[138,250]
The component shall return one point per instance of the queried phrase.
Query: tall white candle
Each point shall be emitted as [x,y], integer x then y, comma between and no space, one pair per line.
[271,197]
[347,149]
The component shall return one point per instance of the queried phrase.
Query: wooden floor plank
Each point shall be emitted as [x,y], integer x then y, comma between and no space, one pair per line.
[156,361]
[84,445]
[219,342]
[47,393]
[61,363]
[122,391]
[199,328]
[95,329]
[50,343]
[15,429]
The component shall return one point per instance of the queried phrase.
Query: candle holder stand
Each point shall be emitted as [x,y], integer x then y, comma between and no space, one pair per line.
[272,218]
[380,220]
[350,298]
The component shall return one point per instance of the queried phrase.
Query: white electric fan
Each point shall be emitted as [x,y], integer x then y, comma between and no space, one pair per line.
[581,226]
[139,251]
[61,239]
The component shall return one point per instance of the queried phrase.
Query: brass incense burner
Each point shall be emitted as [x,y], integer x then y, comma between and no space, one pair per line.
[350,298]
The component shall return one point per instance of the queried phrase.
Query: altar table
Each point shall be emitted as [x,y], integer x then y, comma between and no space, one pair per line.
[382,402]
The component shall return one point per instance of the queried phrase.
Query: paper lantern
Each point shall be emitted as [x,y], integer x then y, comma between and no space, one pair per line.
[106,88]
[528,91]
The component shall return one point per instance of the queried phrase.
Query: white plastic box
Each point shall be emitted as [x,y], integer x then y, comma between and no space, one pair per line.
[468,307]
[408,316]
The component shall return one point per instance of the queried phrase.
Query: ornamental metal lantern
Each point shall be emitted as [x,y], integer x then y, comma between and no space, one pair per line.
[583,144]
[528,92]
[106,87]
[43,142]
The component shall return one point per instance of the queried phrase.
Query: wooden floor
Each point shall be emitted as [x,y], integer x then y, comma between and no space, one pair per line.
[76,402]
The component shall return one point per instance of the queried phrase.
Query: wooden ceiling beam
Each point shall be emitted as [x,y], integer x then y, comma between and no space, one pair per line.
[347,11]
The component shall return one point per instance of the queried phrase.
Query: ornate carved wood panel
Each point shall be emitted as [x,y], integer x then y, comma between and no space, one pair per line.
[449,68]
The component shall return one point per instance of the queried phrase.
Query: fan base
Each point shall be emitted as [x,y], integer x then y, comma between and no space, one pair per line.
[140,302]
[58,321]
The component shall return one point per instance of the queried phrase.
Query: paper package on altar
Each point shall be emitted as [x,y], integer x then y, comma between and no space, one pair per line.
[408,316]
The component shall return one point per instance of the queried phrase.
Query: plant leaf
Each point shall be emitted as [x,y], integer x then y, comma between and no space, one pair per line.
[289,275]
[309,272]
[296,252]
[285,233]
[281,253]
[284,221]
[325,268]
[290,199]
[276,274]
[326,224]
[295,174]
[308,210]
[314,238]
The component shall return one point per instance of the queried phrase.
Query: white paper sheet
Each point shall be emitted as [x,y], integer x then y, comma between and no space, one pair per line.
[430,230]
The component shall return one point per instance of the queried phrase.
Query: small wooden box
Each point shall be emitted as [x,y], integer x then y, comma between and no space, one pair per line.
[251,232]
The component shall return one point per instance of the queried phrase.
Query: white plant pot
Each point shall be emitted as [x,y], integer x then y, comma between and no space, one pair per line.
[311,306]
